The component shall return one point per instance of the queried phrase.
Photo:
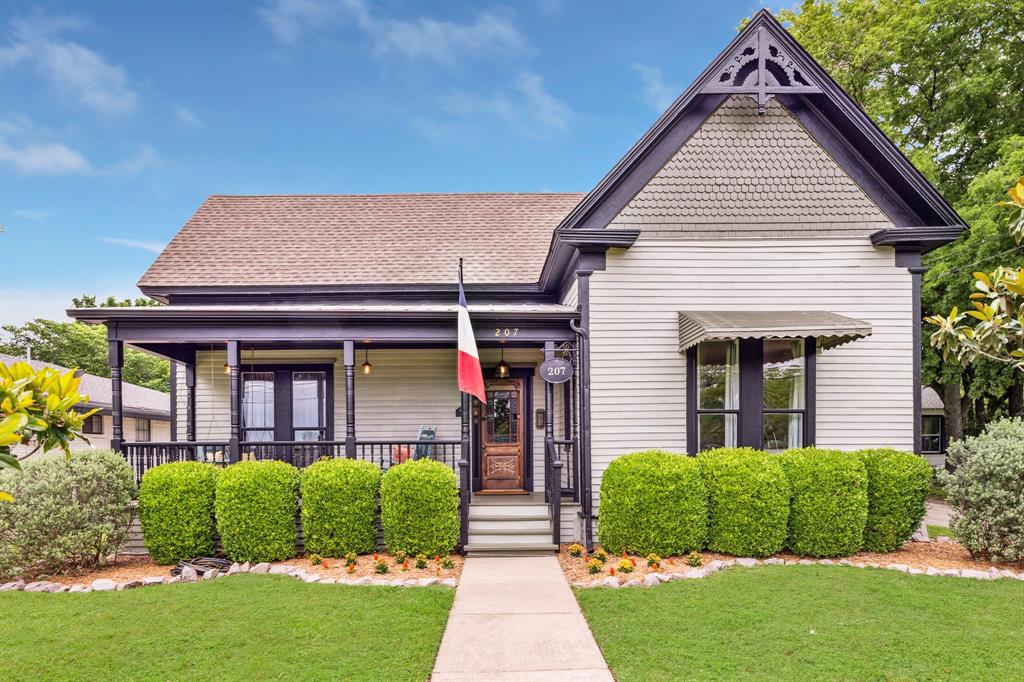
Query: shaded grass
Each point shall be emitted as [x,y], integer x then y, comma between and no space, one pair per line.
[245,627]
[811,622]
[939,531]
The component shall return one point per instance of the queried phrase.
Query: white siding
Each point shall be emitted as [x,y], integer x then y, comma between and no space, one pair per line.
[864,389]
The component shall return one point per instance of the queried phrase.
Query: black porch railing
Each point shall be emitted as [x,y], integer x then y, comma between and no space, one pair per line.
[144,456]
[568,455]
[385,453]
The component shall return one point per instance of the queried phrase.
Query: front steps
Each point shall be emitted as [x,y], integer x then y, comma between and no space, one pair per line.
[509,526]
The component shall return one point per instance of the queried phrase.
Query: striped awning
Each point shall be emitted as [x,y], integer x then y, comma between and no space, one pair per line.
[829,329]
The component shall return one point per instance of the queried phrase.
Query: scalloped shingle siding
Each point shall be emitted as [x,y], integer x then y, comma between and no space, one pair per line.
[752,174]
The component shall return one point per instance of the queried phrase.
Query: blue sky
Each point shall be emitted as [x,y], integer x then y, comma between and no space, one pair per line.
[118,118]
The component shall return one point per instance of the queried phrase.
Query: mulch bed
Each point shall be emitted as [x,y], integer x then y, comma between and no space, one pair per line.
[914,554]
[125,569]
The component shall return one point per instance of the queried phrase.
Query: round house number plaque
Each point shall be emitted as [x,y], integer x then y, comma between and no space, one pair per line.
[555,370]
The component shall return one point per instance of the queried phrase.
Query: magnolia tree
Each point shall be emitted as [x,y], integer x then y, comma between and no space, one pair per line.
[997,332]
[37,410]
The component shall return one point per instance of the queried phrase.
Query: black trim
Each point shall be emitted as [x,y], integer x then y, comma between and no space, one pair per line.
[750,420]
[283,427]
[174,400]
[919,239]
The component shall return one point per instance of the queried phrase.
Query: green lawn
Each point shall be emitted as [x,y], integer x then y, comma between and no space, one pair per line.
[246,627]
[939,531]
[811,622]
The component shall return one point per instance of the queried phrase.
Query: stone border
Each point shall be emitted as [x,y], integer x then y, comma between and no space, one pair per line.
[652,579]
[190,575]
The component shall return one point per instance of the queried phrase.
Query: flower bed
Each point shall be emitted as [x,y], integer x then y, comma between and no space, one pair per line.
[912,557]
[126,573]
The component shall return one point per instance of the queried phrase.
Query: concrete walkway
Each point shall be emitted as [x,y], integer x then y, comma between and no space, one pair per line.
[517,619]
[937,512]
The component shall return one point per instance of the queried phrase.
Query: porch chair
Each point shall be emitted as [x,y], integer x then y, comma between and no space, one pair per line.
[402,453]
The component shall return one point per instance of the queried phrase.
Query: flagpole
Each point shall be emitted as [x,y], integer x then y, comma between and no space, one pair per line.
[465,476]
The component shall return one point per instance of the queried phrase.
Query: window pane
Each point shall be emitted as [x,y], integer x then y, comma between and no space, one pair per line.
[931,425]
[308,400]
[783,374]
[783,431]
[716,431]
[142,430]
[931,444]
[308,435]
[258,400]
[503,416]
[718,375]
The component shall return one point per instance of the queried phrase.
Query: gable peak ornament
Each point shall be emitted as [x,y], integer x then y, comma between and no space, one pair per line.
[760,67]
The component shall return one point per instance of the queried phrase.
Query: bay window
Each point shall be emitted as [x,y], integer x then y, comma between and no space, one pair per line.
[750,392]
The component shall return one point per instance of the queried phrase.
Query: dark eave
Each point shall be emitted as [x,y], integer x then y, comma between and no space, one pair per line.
[921,239]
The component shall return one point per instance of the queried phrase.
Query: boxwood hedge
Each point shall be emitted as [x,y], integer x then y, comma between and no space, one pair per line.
[898,483]
[748,501]
[653,501]
[176,503]
[339,507]
[420,508]
[256,504]
[829,504]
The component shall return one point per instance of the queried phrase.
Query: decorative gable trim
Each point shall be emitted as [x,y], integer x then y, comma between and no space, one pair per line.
[829,114]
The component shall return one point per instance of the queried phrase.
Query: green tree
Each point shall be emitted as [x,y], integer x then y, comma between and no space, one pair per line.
[943,79]
[83,346]
[90,301]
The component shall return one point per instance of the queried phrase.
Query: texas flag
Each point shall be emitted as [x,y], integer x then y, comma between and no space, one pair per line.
[471,377]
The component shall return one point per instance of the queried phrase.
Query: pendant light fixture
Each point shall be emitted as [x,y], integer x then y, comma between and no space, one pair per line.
[502,370]
[367,367]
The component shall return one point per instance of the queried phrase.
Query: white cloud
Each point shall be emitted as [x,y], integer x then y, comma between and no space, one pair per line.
[141,244]
[526,105]
[73,69]
[657,93]
[187,117]
[423,38]
[38,215]
[48,158]
[145,158]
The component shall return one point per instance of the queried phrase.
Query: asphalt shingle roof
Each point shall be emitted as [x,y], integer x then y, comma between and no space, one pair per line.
[361,239]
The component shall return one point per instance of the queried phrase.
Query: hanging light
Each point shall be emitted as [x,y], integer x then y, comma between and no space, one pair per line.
[502,370]
[367,367]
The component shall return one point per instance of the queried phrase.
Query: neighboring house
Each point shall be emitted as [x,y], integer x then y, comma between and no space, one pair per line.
[933,428]
[146,413]
[748,274]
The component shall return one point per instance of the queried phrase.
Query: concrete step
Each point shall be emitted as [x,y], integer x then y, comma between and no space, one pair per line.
[539,525]
[519,511]
[514,538]
[499,518]
[505,549]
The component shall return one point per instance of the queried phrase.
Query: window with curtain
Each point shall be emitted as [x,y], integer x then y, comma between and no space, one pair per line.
[309,406]
[257,406]
[718,394]
[93,424]
[783,372]
[142,431]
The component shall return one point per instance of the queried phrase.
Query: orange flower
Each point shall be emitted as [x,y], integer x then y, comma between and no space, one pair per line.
[633,559]
[611,571]
[351,568]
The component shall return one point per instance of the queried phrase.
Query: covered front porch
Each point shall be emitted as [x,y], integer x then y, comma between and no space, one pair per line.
[294,389]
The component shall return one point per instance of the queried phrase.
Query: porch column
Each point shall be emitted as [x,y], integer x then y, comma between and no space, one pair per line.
[464,474]
[234,357]
[115,358]
[554,464]
[350,399]
[190,402]
[586,485]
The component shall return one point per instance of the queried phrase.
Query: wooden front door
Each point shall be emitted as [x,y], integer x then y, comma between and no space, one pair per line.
[501,437]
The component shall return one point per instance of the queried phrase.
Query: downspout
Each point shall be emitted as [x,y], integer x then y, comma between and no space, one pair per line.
[582,330]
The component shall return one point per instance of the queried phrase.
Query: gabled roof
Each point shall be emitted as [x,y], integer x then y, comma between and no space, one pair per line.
[764,61]
[268,241]
[138,401]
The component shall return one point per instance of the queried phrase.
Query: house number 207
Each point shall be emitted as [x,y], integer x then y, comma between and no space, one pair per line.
[507,331]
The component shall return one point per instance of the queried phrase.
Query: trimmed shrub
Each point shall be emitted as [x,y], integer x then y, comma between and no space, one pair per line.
[986,490]
[256,504]
[829,503]
[66,513]
[339,507]
[898,483]
[653,501]
[176,510]
[748,501]
[419,503]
